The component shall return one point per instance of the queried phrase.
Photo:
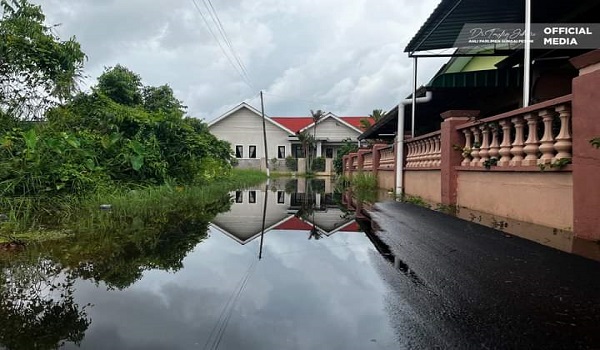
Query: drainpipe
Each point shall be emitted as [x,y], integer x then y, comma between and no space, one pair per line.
[400,140]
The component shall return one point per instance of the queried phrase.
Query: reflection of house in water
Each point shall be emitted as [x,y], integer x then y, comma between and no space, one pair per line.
[309,207]
[243,222]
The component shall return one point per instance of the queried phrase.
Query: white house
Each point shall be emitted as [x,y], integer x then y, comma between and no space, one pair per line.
[242,127]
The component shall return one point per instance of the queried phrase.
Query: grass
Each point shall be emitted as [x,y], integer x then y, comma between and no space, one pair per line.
[41,219]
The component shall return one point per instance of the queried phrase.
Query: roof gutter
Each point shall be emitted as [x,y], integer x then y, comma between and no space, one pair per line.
[400,140]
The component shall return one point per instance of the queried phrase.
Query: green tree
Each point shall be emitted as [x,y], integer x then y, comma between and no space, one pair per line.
[316,117]
[162,99]
[348,147]
[37,70]
[376,116]
[121,85]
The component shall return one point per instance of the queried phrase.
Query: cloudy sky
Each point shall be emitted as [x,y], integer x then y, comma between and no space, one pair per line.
[343,56]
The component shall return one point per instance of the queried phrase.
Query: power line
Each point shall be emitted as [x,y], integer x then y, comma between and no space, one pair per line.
[215,17]
[241,73]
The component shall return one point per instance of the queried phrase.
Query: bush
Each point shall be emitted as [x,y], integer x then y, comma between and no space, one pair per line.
[338,162]
[318,164]
[291,163]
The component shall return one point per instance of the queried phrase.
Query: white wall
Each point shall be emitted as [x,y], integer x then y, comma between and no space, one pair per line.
[244,128]
[244,220]
[334,131]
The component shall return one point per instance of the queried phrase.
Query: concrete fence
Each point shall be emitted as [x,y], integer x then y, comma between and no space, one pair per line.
[530,171]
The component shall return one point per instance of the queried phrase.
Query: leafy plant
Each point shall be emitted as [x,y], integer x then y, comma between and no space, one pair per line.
[346,148]
[291,163]
[318,164]
[595,142]
[558,164]
[489,163]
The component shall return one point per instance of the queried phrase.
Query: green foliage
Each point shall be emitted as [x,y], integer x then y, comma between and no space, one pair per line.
[347,147]
[318,164]
[36,68]
[595,142]
[489,163]
[121,85]
[291,163]
[94,140]
[558,164]
[376,116]
[416,200]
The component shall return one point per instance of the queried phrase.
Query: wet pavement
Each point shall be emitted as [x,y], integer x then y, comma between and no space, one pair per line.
[285,266]
[469,286]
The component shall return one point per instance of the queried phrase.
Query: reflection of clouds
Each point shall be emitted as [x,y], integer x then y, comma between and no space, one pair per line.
[326,294]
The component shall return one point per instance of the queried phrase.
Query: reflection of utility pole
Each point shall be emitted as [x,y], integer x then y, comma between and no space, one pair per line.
[264,217]
[262,108]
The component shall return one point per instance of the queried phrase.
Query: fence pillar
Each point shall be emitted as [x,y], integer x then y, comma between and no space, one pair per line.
[345,166]
[451,157]
[377,157]
[361,159]
[586,159]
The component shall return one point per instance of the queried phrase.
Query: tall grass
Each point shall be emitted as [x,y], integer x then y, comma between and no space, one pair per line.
[26,218]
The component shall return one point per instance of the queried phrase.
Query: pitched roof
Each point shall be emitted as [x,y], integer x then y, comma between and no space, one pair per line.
[293,123]
[299,123]
[251,109]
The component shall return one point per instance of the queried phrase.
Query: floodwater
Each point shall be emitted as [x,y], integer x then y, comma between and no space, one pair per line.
[285,267]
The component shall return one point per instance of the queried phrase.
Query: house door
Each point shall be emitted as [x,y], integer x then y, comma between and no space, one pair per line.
[328,152]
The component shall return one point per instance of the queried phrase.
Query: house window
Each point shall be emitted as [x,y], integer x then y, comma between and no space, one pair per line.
[251,151]
[281,152]
[328,152]
[252,197]
[280,197]
[239,197]
[239,151]
[297,151]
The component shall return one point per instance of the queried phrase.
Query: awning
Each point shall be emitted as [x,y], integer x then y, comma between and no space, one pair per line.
[493,78]
[445,23]
[491,93]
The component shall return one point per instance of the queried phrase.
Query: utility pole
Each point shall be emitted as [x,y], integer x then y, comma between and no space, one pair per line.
[262,108]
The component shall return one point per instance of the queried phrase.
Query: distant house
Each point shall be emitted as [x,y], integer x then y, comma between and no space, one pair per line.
[242,127]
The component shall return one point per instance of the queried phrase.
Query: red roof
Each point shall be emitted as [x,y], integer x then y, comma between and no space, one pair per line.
[294,123]
[294,223]
[298,123]
[353,227]
[355,121]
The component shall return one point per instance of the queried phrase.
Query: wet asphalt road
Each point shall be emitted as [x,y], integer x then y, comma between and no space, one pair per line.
[466,286]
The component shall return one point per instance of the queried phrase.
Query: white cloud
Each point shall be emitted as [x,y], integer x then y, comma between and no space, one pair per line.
[341,56]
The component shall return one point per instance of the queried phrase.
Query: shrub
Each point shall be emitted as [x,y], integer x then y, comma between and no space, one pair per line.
[348,147]
[291,163]
[318,164]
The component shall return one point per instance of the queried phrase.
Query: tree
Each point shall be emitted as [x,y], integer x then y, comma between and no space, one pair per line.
[121,85]
[376,115]
[307,141]
[37,70]
[162,99]
[316,117]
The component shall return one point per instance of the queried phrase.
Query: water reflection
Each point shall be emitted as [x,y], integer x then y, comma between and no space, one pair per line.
[175,281]
[310,205]
[37,306]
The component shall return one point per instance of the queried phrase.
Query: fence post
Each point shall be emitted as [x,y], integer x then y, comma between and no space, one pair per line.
[586,159]
[377,157]
[451,157]
[361,159]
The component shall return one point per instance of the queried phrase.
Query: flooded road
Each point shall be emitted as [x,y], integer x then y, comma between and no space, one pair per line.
[286,266]
[311,279]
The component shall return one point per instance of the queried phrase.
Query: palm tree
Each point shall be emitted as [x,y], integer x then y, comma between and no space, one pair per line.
[316,116]
[307,141]
[376,115]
